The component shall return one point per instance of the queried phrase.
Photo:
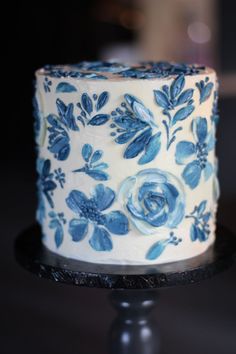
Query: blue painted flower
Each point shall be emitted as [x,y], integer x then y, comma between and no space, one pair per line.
[196,153]
[93,166]
[45,183]
[205,88]
[153,198]
[56,223]
[200,229]
[59,128]
[171,98]
[47,85]
[158,247]
[90,211]
[134,122]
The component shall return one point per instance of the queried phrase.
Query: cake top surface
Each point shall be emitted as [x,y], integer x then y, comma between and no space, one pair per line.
[102,70]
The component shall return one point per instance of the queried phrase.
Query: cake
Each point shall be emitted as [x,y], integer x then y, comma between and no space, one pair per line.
[126,164]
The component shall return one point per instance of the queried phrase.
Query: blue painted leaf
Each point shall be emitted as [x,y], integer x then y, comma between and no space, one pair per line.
[128,123]
[58,236]
[100,240]
[138,144]
[177,86]
[182,114]
[58,144]
[208,170]
[98,175]
[201,236]
[202,206]
[63,153]
[76,200]
[206,92]
[103,196]
[206,217]
[156,250]
[87,151]
[96,156]
[46,168]
[52,120]
[49,186]
[99,119]
[78,229]
[101,166]
[66,114]
[192,174]
[65,87]
[125,137]
[87,103]
[152,148]
[102,100]
[201,129]
[184,97]
[117,223]
[193,233]
[184,151]
[161,99]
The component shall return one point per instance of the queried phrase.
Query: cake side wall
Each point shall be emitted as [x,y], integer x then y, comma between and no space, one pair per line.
[127,168]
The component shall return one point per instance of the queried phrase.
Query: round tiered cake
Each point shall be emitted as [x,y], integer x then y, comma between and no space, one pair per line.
[126,162]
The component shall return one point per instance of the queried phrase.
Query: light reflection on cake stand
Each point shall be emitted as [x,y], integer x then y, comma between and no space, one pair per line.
[134,289]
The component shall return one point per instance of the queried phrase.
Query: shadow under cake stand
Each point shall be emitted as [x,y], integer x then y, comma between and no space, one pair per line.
[134,288]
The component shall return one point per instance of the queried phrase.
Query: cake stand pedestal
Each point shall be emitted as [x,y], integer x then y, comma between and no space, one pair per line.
[134,288]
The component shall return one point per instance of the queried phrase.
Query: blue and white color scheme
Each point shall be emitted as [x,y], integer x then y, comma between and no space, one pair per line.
[126,166]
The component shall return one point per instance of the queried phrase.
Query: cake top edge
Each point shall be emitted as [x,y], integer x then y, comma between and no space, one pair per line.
[102,70]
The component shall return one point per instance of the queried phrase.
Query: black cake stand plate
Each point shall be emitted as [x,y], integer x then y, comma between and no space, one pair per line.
[134,293]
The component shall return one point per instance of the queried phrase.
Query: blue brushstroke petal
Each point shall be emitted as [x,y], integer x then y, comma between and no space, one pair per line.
[49,186]
[100,240]
[117,223]
[103,196]
[161,99]
[87,103]
[65,87]
[201,129]
[125,137]
[184,150]
[99,119]
[98,175]
[145,188]
[192,174]
[193,233]
[138,144]
[157,220]
[152,149]
[63,153]
[202,206]
[76,200]
[87,151]
[182,114]
[206,92]
[171,195]
[58,237]
[96,156]
[78,229]
[127,122]
[210,140]
[46,168]
[133,210]
[156,250]
[102,100]
[185,97]
[206,217]
[177,86]
[208,170]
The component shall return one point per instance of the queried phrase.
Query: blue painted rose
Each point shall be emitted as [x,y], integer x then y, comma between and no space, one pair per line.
[153,198]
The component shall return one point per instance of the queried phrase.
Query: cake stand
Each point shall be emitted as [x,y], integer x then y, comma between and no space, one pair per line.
[134,289]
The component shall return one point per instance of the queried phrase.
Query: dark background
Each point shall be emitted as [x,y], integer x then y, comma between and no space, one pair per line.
[38,316]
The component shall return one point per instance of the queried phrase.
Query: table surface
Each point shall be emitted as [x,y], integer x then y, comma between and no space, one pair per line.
[39,316]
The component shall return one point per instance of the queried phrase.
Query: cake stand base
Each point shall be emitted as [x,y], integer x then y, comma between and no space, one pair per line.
[134,288]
